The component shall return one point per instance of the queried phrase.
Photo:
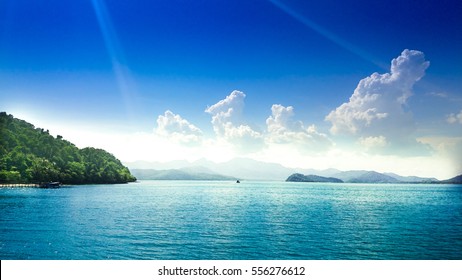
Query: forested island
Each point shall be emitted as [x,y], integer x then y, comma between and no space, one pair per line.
[32,155]
[297,177]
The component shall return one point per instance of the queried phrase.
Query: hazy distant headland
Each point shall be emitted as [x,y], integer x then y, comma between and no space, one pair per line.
[180,174]
[30,155]
[370,177]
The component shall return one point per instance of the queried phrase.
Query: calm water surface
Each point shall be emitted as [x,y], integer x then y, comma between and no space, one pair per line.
[225,220]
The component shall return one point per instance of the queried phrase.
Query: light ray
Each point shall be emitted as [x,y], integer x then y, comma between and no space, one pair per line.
[328,35]
[121,71]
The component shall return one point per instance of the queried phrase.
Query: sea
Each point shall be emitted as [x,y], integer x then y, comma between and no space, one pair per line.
[223,220]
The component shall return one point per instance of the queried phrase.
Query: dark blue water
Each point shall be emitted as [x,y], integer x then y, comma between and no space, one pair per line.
[223,220]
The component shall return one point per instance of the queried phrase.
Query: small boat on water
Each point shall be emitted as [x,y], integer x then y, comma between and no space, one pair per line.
[237,182]
[50,185]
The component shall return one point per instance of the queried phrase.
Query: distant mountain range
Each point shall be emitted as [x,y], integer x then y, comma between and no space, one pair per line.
[248,169]
[359,176]
[240,168]
[365,176]
[180,174]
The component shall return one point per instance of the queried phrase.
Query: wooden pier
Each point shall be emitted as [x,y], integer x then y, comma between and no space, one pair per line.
[25,185]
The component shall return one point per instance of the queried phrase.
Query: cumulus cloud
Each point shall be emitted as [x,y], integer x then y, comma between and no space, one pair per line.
[282,129]
[226,122]
[280,120]
[377,107]
[233,102]
[373,142]
[176,128]
[455,118]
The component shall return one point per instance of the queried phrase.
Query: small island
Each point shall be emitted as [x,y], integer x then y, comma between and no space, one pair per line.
[297,177]
[31,156]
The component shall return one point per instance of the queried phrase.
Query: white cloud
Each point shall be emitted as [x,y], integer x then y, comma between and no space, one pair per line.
[372,142]
[453,118]
[283,130]
[280,120]
[233,102]
[377,107]
[438,94]
[449,150]
[226,121]
[177,129]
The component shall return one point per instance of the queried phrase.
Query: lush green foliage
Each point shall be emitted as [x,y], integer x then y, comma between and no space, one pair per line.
[32,155]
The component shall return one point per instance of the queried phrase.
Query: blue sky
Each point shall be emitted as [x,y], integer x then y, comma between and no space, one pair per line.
[133,76]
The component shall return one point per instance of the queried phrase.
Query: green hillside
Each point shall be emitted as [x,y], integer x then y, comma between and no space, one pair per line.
[32,155]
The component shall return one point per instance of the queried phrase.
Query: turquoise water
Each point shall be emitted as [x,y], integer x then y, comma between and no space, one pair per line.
[225,220]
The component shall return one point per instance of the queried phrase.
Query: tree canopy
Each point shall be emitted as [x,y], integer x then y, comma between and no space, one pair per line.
[32,155]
